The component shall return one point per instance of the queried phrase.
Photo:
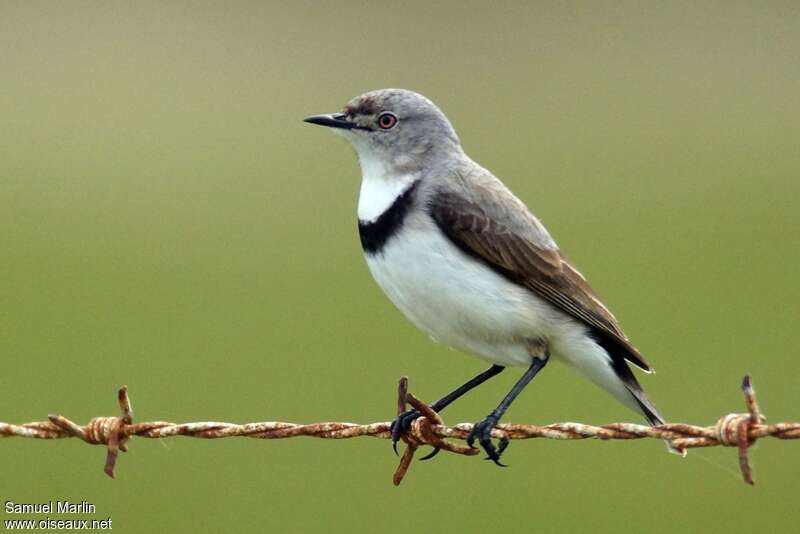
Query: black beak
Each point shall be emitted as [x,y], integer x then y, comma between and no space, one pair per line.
[334,120]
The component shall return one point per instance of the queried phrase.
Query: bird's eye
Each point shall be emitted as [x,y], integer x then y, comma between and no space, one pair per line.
[387,120]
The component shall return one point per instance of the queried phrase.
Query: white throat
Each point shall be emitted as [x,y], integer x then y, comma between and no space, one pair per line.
[379,187]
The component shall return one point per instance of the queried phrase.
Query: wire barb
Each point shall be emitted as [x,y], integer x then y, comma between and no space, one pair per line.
[732,430]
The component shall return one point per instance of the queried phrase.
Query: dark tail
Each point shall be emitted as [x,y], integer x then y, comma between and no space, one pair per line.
[648,408]
[625,374]
[619,354]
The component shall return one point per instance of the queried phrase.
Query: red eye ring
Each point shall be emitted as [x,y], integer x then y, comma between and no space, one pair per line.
[387,120]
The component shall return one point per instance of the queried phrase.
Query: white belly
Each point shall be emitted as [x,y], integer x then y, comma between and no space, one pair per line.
[465,305]
[457,300]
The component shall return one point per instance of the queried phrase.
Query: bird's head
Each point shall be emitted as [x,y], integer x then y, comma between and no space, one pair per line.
[396,127]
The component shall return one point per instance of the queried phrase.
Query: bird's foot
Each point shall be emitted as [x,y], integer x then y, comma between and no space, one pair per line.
[401,424]
[482,431]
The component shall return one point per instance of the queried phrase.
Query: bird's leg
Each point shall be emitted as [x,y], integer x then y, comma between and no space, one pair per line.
[483,430]
[403,421]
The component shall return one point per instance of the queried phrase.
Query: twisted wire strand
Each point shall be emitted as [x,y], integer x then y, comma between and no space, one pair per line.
[732,430]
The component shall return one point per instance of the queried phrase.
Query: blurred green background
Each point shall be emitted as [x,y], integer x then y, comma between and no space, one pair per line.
[168,222]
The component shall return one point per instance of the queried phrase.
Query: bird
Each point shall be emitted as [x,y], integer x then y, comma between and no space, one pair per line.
[468,263]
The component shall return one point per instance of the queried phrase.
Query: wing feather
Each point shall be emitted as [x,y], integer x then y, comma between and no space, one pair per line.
[515,248]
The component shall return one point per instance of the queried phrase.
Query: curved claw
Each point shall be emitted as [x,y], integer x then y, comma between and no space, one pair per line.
[483,432]
[491,453]
[401,423]
[394,441]
[431,454]
[395,429]
[503,445]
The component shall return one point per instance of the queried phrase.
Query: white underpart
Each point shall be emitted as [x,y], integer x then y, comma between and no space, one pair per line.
[378,188]
[464,304]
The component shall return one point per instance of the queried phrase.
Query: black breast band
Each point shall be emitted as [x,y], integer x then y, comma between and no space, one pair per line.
[374,235]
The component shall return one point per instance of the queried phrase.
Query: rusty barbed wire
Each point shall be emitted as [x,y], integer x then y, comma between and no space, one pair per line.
[732,430]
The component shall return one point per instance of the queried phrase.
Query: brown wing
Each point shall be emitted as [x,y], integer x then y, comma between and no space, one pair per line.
[507,250]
